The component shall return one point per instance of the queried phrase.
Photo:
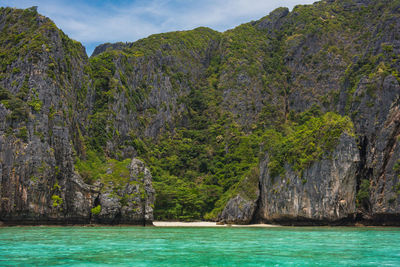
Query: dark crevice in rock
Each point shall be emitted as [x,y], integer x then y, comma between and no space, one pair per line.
[144,221]
[363,172]
[117,218]
[95,204]
[256,215]
[390,147]
[97,201]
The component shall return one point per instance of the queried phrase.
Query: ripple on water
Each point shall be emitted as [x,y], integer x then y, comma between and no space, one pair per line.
[139,246]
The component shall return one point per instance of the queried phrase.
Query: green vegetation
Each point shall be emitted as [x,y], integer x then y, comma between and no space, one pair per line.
[197,169]
[396,167]
[56,186]
[35,103]
[92,168]
[397,189]
[96,168]
[200,107]
[18,107]
[27,38]
[247,188]
[22,36]
[22,133]
[117,174]
[180,42]
[96,210]
[57,201]
[305,143]
[114,175]
[209,154]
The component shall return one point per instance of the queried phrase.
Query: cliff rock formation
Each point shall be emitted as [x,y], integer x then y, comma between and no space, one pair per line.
[324,192]
[43,74]
[356,183]
[293,118]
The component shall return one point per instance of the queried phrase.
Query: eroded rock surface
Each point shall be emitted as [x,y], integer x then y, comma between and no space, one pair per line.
[128,203]
[325,193]
[57,105]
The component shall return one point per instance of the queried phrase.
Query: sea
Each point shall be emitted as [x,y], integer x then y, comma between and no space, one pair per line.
[199,246]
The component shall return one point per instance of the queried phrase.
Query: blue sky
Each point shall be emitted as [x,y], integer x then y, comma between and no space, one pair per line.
[93,22]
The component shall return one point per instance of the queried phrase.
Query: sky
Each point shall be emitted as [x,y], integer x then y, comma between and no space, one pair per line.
[93,22]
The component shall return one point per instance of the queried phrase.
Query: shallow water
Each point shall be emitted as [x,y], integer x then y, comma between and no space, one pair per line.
[151,246]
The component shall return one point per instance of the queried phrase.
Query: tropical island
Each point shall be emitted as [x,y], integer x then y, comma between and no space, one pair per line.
[292,119]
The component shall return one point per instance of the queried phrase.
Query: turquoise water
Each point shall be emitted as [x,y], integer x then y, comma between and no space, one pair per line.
[150,246]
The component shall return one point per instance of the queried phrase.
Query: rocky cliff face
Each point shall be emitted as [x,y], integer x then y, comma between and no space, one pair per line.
[44,83]
[293,118]
[145,83]
[242,207]
[360,185]
[324,193]
[130,201]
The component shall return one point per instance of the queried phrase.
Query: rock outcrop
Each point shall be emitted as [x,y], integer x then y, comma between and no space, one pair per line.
[238,211]
[197,107]
[325,193]
[362,185]
[241,208]
[130,202]
[42,74]
[45,99]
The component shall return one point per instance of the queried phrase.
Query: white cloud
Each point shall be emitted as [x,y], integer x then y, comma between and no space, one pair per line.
[94,24]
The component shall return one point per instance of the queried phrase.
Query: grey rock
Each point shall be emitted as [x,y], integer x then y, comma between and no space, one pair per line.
[273,20]
[238,211]
[130,203]
[40,185]
[241,208]
[104,47]
[38,180]
[326,192]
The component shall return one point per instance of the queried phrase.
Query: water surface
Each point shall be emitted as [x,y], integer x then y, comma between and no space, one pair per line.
[151,246]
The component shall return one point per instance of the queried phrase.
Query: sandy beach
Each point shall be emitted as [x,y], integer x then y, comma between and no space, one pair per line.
[206,224]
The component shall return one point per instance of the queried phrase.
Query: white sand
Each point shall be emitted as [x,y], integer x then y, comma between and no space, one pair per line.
[205,224]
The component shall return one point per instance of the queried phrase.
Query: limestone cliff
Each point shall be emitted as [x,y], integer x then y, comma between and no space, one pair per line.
[44,76]
[293,118]
[130,201]
[324,193]
[360,185]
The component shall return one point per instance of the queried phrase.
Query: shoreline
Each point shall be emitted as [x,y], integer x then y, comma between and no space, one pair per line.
[200,224]
[207,224]
[155,224]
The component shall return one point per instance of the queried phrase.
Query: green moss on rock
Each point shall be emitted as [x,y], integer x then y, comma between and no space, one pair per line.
[96,210]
